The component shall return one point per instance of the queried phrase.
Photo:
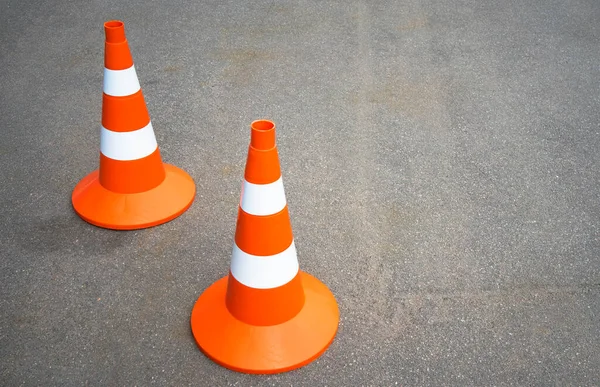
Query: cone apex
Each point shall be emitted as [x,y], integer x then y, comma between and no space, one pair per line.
[262,135]
[115,31]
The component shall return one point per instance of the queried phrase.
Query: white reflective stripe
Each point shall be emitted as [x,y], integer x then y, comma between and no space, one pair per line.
[120,83]
[128,145]
[263,199]
[264,272]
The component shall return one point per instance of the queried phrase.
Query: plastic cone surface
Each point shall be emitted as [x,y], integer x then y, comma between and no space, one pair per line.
[266,316]
[132,188]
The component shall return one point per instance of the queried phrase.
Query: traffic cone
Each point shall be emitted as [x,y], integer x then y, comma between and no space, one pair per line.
[132,189]
[266,316]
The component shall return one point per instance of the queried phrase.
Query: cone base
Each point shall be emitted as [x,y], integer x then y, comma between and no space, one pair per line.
[107,209]
[265,349]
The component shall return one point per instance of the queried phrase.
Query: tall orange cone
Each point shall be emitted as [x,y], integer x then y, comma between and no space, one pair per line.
[132,189]
[266,316]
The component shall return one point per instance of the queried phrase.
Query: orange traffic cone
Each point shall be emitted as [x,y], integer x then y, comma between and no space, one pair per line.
[266,316]
[133,188]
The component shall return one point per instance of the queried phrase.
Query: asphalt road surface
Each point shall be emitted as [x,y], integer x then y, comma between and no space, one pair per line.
[441,164]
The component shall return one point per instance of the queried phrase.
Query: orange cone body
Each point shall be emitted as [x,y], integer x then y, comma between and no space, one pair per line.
[132,189]
[266,316]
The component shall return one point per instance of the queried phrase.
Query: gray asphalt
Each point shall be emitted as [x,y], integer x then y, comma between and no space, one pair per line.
[441,167]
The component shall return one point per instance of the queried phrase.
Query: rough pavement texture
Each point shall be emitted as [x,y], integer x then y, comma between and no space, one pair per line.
[441,166]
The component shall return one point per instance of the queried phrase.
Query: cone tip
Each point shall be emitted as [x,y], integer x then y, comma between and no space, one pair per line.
[262,135]
[115,31]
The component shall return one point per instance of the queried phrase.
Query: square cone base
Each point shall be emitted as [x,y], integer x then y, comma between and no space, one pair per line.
[265,349]
[119,211]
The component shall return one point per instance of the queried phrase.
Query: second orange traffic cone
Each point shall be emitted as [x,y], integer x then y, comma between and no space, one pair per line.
[266,316]
[132,189]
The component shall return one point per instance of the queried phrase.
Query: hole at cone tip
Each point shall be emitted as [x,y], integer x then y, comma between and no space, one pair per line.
[113,24]
[263,125]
